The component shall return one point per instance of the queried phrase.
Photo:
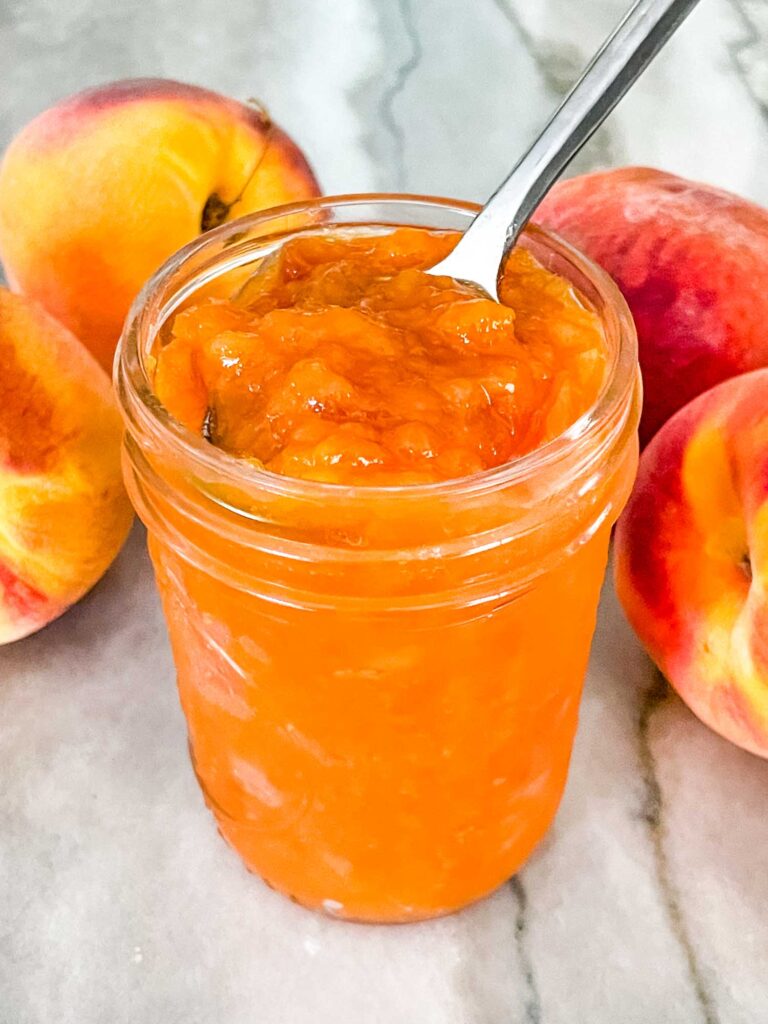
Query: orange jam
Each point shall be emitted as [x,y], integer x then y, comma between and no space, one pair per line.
[342,361]
[381,683]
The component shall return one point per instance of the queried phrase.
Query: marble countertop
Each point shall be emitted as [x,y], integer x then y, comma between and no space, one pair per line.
[648,901]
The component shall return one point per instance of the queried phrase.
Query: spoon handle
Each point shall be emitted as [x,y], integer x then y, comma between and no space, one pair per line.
[619,61]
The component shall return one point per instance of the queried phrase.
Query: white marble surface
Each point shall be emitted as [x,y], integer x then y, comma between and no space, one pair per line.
[648,902]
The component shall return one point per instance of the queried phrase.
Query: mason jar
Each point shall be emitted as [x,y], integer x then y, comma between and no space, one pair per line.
[381,684]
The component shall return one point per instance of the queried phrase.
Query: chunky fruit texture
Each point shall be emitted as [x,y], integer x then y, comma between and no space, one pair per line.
[98,191]
[342,361]
[63,511]
[692,557]
[691,261]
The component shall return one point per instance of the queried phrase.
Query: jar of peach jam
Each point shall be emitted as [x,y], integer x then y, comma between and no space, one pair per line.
[381,681]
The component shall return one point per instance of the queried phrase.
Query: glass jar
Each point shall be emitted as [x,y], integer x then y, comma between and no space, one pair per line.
[381,684]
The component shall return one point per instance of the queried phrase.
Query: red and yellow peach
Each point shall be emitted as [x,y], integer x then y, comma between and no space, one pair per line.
[691,557]
[63,511]
[692,262]
[98,191]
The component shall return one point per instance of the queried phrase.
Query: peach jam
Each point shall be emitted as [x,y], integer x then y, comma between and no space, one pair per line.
[342,361]
[378,507]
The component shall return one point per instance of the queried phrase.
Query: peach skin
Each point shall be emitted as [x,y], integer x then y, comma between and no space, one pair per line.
[691,557]
[63,512]
[96,192]
[692,262]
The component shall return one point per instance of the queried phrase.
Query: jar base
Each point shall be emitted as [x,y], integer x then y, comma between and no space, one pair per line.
[331,909]
[337,911]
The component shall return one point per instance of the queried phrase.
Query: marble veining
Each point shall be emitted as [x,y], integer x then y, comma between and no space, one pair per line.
[530,996]
[646,902]
[750,52]
[653,815]
[560,62]
[402,73]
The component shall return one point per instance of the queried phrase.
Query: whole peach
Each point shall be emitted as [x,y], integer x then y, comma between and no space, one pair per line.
[692,262]
[98,191]
[63,511]
[691,557]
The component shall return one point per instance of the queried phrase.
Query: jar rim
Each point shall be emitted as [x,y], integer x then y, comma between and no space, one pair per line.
[139,402]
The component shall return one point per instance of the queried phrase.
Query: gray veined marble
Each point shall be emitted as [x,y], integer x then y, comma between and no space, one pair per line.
[647,903]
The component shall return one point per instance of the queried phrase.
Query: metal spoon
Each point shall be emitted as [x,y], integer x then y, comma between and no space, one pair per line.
[621,59]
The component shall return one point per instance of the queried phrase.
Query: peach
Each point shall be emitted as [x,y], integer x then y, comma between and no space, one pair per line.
[98,191]
[692,262]
[63,511]
[691,557]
